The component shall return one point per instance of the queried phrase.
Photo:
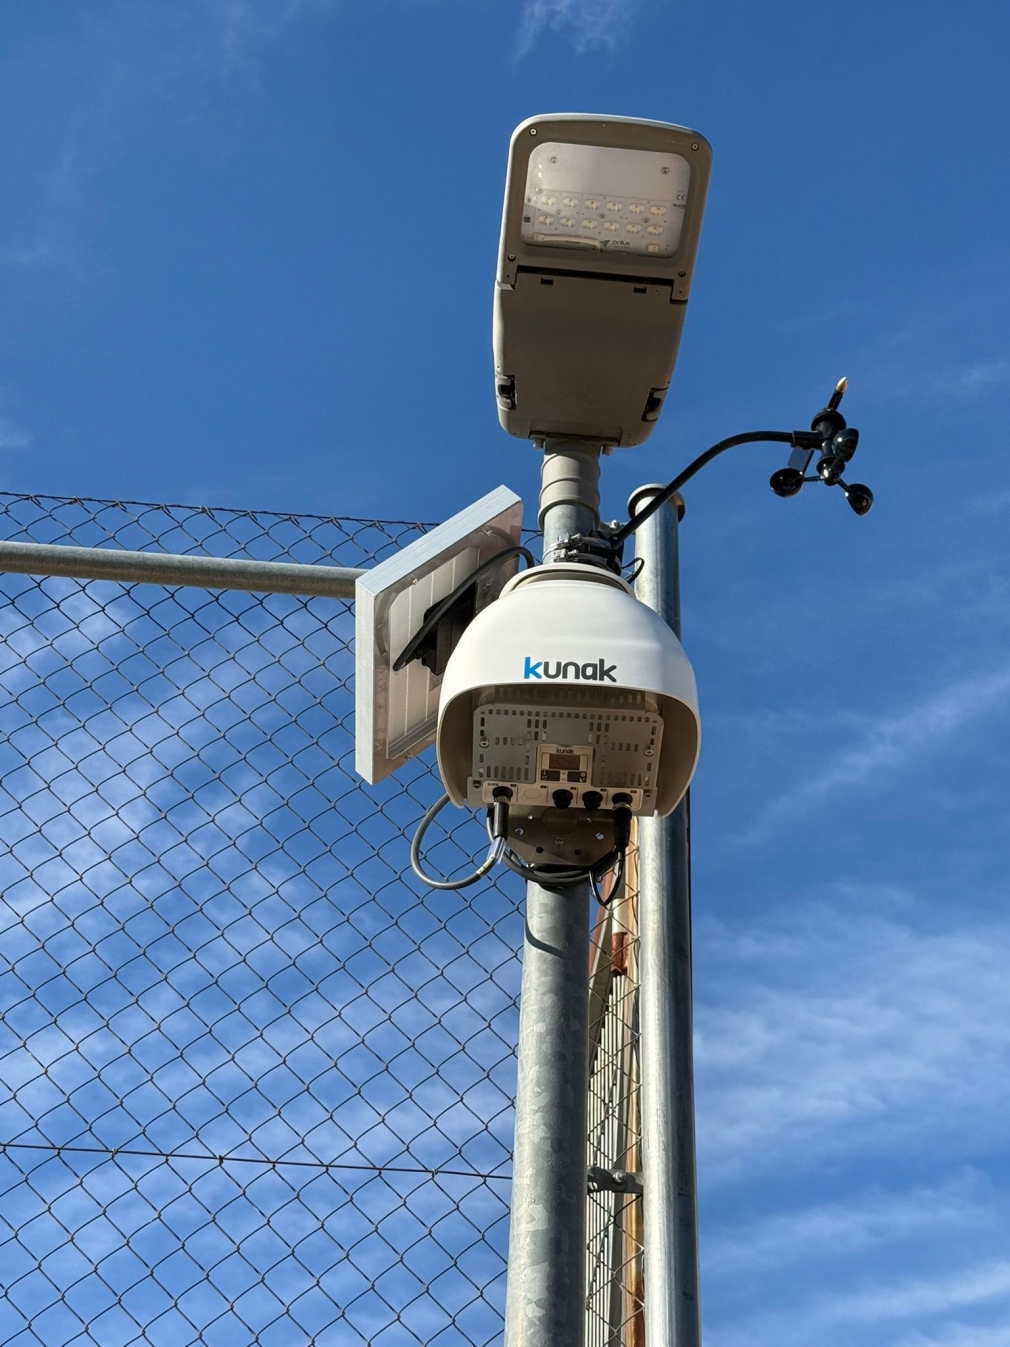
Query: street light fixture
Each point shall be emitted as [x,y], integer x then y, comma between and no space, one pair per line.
[599,236]
[600,230]
[565,703]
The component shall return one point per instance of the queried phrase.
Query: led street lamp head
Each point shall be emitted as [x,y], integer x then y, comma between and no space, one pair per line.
[599,236]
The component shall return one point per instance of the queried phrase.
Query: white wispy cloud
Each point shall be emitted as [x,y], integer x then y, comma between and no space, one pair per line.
[12,434]
[585,23]
[932,1295]
[969,380]
[786,1238]
[836,1317]
[992,502]
[884,746]
[828,1031]
[961,1335]
[127,73]
[83,100]
[242,25]
[950,346]
[914,369]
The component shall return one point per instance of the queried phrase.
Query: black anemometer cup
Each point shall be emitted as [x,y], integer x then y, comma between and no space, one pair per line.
[860,497]
[786,482]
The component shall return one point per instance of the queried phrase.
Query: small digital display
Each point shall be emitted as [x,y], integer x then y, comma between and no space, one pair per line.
[564,762]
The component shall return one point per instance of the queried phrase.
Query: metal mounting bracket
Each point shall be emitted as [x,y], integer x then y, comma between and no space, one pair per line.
[613,1180]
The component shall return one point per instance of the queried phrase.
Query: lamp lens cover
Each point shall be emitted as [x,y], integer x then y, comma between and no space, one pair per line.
[605,198]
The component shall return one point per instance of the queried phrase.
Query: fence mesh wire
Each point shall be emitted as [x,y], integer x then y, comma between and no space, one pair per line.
[256,1082]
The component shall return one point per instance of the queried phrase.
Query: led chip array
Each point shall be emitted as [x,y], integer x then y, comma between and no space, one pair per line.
[627,224]
[596,196]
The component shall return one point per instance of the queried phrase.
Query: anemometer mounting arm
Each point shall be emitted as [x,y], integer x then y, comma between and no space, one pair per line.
[829,436]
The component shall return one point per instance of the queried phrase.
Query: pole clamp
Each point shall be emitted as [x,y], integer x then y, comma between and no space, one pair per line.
[601,1180]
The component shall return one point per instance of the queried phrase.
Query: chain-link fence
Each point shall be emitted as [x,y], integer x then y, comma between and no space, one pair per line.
[256,1082]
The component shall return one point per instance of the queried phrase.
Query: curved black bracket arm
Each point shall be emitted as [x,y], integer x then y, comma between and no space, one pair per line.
[829,436]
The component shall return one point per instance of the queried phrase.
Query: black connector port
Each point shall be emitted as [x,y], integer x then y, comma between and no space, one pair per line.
[622,822]
[498,814]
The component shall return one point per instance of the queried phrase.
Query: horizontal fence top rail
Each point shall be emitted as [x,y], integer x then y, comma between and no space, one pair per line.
[166,568]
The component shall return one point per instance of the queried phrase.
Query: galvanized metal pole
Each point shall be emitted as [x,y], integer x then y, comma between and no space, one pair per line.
[165,568]
[545,1303]
[669,1181]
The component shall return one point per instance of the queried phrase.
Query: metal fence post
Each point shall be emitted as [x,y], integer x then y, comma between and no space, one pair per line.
[672,1284]
[545,1304]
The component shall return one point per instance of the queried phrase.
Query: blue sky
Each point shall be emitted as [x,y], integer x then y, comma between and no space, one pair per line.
[246,258]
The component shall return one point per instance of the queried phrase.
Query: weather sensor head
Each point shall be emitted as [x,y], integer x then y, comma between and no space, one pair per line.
[598,242]
[570,698]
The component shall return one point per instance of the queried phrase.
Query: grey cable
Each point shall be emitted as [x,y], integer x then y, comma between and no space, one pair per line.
[492,858]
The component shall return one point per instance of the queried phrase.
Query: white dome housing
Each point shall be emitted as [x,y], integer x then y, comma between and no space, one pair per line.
[575,696]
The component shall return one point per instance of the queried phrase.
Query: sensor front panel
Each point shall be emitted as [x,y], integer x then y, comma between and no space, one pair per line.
[558,748]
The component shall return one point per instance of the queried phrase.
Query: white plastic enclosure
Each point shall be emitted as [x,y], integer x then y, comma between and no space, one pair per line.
[568,683]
